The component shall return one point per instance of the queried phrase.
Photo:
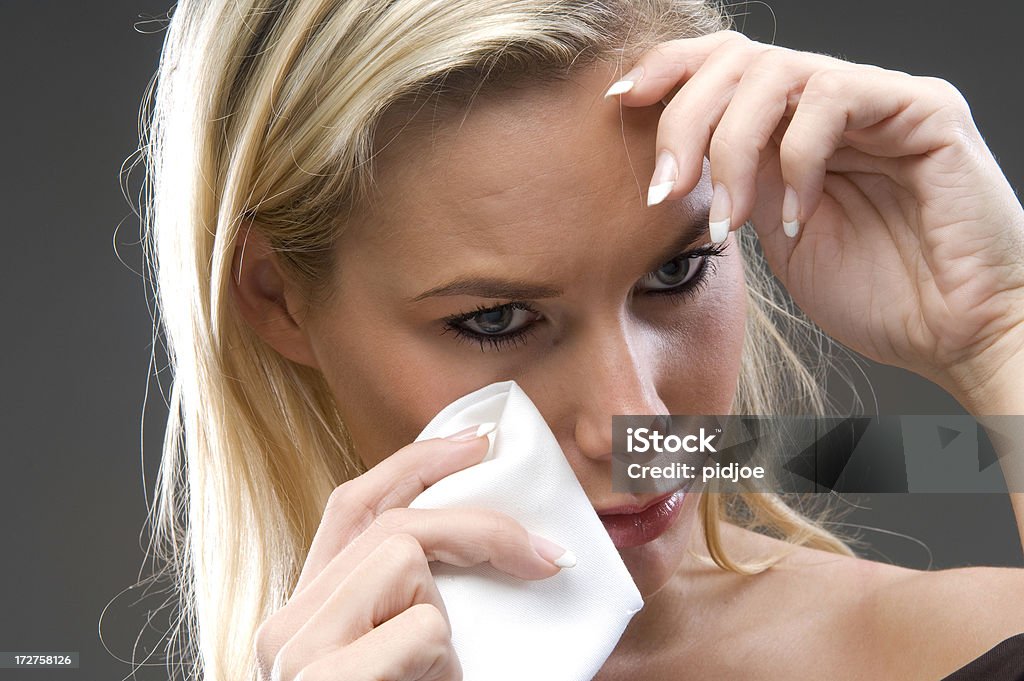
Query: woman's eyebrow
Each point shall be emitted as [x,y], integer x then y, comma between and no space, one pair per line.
[489,287]
[689,237]
[492,287]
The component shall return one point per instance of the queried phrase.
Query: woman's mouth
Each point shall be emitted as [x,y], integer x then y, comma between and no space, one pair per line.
[643,525]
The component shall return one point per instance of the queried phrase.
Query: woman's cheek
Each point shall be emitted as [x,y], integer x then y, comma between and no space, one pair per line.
[703,346]
[388,387]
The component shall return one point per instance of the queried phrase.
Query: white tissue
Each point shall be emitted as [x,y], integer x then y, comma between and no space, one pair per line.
[562,628]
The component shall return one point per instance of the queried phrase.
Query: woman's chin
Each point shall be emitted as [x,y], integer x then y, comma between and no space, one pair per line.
[653,563]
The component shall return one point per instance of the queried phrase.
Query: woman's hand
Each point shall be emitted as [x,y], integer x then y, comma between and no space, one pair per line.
[907,240]
[366,606]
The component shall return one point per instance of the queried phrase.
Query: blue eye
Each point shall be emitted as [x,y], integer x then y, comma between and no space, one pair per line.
[683,275]
[497,326]
[501,320]
[673,274]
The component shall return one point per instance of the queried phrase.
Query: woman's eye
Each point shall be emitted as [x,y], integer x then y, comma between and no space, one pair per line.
[499,326]
[503,320]
[673,274]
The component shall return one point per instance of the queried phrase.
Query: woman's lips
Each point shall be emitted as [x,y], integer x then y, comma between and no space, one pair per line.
[633,529]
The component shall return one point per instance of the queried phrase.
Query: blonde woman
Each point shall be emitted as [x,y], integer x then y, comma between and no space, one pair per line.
[362,210]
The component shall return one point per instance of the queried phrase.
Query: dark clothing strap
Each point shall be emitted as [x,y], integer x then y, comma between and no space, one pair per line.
[1005,662]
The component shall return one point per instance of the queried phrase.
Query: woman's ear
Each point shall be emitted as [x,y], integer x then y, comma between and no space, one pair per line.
[266,299]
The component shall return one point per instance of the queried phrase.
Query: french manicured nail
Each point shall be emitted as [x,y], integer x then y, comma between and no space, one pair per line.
[626,83]
[721,211]
[472,432]
[552,552]
[790,212]
[666,170]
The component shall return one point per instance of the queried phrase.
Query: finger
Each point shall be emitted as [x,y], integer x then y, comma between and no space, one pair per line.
[393,578]
[834,102]
[765,95]
[665,66]
[460,536]
[395,574]
[848,159]
[395,481]
[922,114]
[686,124]
[415,645]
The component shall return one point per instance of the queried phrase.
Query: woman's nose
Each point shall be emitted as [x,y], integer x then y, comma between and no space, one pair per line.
[618,374]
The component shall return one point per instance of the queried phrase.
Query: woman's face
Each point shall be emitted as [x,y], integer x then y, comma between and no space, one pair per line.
[516,244]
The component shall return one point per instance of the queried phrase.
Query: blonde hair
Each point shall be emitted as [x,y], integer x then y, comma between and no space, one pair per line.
[267,111]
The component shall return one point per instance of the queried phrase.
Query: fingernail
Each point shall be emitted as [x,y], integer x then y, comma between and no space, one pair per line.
[472,432]
[666,170]
[721,210]
[625,83]
[790,212]
[552,552]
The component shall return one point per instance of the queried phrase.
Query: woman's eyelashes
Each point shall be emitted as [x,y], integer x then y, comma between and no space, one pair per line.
[685,275]
[501,326]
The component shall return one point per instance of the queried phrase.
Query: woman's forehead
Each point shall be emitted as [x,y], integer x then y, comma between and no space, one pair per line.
[520,168]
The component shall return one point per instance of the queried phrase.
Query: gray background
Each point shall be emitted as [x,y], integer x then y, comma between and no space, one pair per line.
[77,332]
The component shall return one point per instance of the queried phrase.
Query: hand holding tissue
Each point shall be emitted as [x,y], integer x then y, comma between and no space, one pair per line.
[562,628]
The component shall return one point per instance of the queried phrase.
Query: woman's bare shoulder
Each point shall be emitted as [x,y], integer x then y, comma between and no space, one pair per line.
[924,624]
[955,614]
